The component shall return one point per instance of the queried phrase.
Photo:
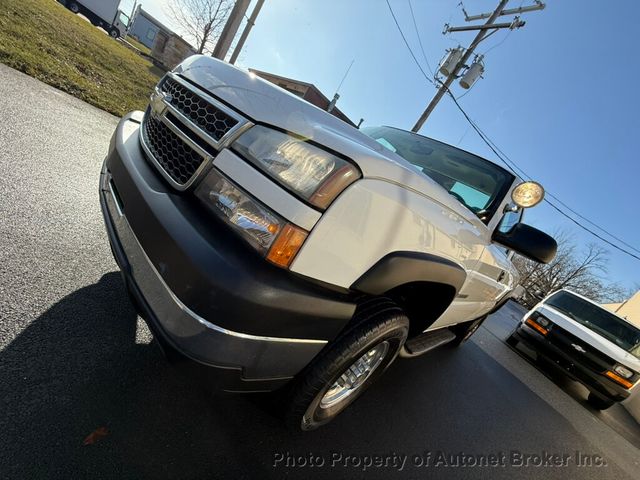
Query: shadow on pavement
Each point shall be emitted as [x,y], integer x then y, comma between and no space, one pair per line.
[78,368]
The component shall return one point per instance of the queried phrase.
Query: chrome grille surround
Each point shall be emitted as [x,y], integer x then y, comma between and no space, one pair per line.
[176,134]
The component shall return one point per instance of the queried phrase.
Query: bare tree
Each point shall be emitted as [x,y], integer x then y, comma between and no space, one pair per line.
[580,270]
[201,20]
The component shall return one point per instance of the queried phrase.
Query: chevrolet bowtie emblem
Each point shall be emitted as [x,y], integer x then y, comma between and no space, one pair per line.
[578,348]
[157,103]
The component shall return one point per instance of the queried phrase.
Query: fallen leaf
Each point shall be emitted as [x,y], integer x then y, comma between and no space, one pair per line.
[96,435]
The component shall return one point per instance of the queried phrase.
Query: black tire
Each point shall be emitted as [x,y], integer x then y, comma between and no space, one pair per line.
[599,403]
[464,331]
[114,33]
[376,323]
[74,7]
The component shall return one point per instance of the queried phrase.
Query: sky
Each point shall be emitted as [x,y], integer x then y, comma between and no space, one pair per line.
[559,96]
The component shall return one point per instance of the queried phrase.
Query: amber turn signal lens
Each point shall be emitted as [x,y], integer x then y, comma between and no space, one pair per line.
[286,245]
[536,327]
[334,185]
[618,379]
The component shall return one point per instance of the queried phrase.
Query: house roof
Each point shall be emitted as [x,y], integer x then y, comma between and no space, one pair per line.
[154,20]
[311,86]
[162,26]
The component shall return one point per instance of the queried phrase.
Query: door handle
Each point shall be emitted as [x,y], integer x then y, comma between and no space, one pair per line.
[501,276]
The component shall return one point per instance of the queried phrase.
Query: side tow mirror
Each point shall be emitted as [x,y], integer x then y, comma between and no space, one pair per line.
[529,242]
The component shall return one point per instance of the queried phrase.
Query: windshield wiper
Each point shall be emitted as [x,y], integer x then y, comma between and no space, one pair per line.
[566,312]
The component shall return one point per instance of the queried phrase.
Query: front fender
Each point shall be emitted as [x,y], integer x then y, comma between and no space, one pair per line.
[374,218]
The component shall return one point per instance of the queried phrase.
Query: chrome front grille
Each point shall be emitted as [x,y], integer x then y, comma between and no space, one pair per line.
[184,128]
[211,119]
[179,160]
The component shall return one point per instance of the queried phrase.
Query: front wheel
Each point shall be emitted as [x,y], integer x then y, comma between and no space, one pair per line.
[348,366]
[114,33]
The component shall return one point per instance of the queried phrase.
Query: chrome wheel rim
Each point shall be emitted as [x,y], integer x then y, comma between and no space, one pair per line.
[355,376]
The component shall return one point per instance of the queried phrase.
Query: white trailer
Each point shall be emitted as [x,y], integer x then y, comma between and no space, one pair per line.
[102,13]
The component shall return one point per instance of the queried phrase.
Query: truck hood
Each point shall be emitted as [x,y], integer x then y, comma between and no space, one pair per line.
[263,102]
[599,342]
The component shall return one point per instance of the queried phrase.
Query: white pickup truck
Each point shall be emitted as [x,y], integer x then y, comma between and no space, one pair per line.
[283,249]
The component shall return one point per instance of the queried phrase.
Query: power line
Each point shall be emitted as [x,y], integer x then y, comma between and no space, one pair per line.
[407,44]
[513,167]
[503,157]
[415,25]
[555,197]
[524,174]
[590,222]
[504,39]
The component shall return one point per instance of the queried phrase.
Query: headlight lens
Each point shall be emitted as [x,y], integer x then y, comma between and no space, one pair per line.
[623,371]
[314,174]
[268,233]
[258,225]
[542,321]
[539,323]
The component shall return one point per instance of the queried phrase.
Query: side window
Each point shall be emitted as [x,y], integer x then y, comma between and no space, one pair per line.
[124,20]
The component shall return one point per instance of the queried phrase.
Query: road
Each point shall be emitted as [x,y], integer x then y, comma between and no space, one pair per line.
[74,358]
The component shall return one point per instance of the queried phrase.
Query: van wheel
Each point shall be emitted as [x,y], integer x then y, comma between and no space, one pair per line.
[599,403]
[74,7]
[464,331]
[114,33]
[347,366]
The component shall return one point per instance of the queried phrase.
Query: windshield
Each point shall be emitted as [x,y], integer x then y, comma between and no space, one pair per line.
[477,183]
[601,321]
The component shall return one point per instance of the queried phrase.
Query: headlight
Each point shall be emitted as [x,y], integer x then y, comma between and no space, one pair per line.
[617,376]
[263,229]
[542,321]
[623,371]
[539,323]
[312,173]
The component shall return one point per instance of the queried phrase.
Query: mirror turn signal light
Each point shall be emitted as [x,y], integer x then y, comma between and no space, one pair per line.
[539,328]
[286,245]
[618,379]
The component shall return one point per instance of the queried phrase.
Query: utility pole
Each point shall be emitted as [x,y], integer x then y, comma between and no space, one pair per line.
[483,30]
[245,33]
[230,29]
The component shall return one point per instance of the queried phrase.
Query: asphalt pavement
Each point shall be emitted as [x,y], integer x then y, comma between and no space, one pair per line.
[85,394]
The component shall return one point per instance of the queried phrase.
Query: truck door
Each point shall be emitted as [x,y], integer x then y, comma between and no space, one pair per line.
[487,280]
[495,268]
[120,24]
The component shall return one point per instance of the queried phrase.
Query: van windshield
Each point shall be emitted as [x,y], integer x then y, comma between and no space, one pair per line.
[477,183]
[596,318]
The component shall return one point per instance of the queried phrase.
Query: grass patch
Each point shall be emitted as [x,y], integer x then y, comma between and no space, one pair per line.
[143,48]
[43,39]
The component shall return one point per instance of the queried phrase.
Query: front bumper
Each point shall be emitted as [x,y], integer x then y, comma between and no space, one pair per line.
[571,366]
[200,288]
